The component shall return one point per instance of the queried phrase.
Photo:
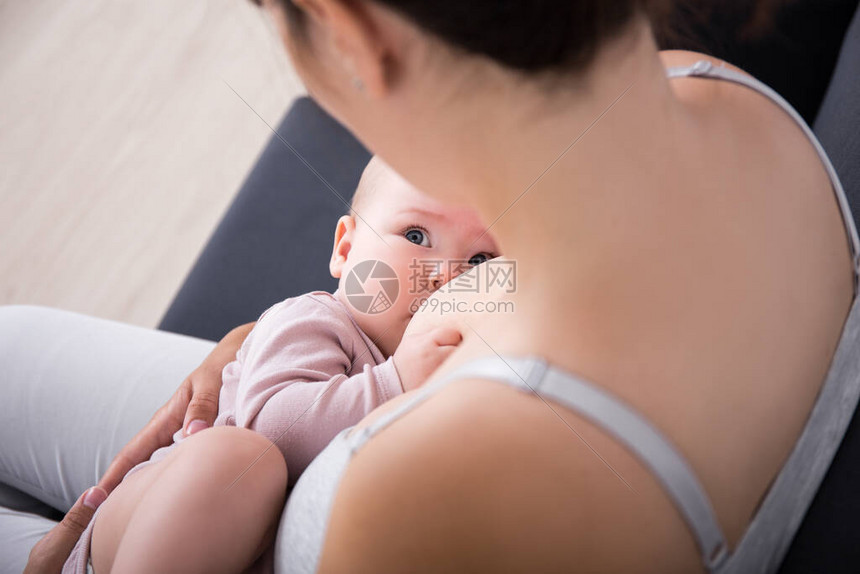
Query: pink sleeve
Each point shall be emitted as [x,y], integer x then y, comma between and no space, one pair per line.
[293,387]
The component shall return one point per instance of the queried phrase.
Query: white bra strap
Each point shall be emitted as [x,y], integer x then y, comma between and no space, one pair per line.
[532,375]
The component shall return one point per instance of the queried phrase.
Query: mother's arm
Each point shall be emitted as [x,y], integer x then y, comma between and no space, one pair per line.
[193,407]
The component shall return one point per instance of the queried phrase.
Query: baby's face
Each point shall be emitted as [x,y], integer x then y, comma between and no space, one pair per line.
[424,242]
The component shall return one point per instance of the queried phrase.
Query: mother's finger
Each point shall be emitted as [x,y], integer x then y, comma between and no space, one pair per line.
[205,381]
[52,551]
[157,433]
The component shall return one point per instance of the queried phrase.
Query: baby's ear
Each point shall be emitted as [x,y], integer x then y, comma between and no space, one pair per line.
[342,244]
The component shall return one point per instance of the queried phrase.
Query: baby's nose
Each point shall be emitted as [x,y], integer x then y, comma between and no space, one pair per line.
[439,276]
[437,280]
[447,271]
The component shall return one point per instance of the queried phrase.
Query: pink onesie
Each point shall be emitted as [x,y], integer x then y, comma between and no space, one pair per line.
[304,373]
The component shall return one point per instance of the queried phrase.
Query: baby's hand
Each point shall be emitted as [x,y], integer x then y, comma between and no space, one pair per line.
[419,354]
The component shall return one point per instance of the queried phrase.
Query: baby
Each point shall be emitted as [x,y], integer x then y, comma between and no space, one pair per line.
[316,364]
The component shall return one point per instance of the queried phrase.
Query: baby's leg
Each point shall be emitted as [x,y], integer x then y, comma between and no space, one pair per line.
[212,505]
[115,513]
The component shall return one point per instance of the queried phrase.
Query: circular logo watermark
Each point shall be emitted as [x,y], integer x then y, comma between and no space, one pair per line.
[371,287]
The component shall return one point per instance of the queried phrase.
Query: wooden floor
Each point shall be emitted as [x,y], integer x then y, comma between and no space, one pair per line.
[122,143]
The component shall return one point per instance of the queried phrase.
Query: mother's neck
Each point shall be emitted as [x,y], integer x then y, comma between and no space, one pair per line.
[509,146]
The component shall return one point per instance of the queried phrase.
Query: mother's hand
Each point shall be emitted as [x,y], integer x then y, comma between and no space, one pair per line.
[193,407]
[50,553]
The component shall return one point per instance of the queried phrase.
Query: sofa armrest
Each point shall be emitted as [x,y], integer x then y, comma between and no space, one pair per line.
[275,239]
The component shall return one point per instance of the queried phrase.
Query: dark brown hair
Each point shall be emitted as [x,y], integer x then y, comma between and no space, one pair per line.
[717,27]
[527,35]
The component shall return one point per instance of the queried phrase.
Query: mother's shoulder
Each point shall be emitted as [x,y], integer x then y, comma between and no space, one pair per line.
[743,120]
[681,58]
[483,474]
[716,94]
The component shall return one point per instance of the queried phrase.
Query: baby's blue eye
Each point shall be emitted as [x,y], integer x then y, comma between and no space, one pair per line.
[478,259]
[416,236]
